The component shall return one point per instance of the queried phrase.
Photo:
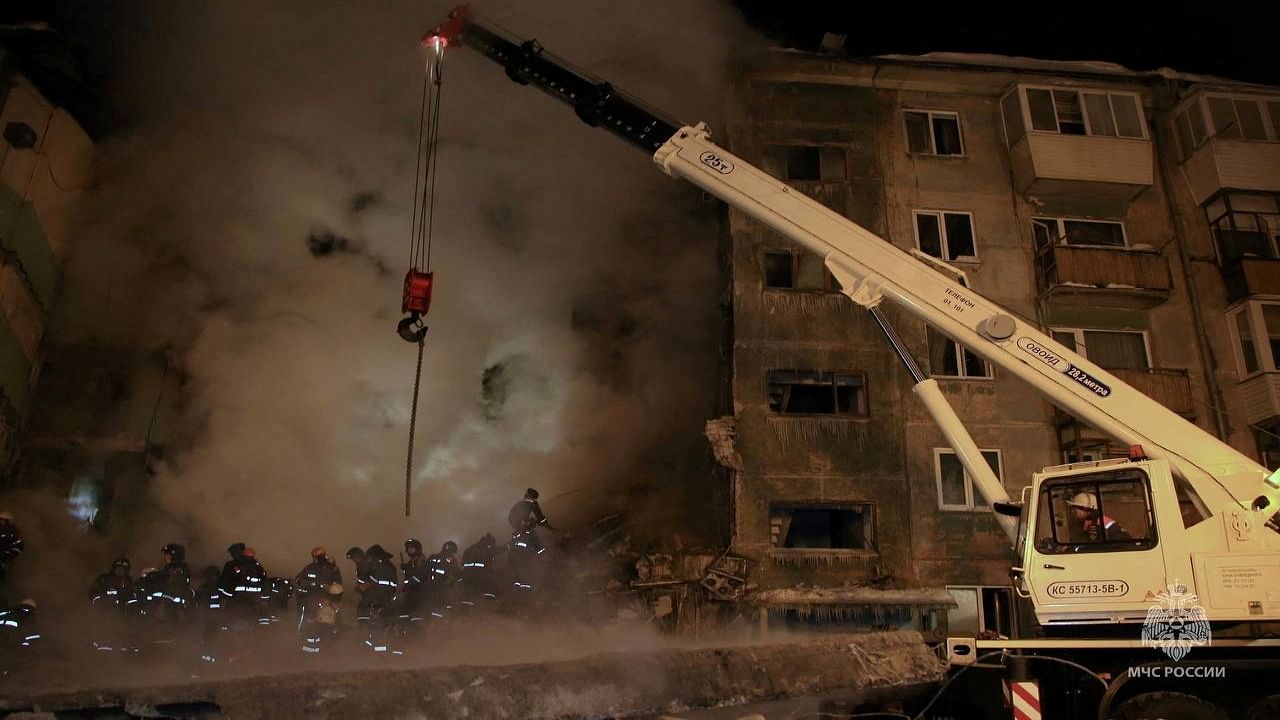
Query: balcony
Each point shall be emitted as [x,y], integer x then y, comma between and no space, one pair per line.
[1114,277]
[1261,396]
[1251,276]
[1170,387]
[1226,164]
[1098,167]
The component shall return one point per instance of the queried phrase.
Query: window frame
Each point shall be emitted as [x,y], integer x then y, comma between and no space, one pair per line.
[872,513]
[865,413]
[942,233]
[933,146]
[1267,362]
[1029,126]
[1082,349]
[959,351]
[1061,228]
[969,493]
[1098,480]
[978,591]
[830,285]
[768,159]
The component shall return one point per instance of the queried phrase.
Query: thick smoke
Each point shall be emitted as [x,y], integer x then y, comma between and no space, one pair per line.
[254,216]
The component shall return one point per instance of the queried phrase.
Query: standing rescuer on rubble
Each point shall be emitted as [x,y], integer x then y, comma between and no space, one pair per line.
[313,580]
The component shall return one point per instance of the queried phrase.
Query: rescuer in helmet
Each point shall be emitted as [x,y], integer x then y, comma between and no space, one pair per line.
[19,636]
[478,571]
[111,589]
[1092,525]
[313,580]
[376,609]
[527,513]
[444,574]
[413,568]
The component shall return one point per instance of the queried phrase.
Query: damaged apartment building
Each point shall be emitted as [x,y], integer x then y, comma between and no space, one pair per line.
[1131,215]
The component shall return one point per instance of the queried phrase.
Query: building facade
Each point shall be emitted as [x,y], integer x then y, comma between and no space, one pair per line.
[1133,216]
[45,162]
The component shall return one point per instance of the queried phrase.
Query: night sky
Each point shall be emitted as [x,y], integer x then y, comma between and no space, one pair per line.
[1231,39]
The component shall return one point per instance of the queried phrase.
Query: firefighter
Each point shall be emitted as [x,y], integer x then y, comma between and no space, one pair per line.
[413,569]
[376,608]
[527,513]
[19,636]
[11,545]
[443,573]
[312,581]
[208,595]
[478,585]
[107,599]
[112,588]
[175,583]
[243,585]
[1091,525]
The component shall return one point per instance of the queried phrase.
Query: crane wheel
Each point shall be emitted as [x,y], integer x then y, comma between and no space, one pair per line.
[1167,706]
[1266,708]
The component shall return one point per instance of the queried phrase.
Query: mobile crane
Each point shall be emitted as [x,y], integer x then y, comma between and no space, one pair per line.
[1199,517]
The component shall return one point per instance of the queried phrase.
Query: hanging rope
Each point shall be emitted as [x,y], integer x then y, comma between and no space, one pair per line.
[418,280]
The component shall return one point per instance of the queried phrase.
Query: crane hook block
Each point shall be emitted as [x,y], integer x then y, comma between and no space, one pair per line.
[417,292]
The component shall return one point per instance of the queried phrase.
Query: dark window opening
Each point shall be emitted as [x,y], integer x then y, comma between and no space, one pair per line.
[945,235]
[802,527]
[806,163]
[815,393]
[947,358]
[779,270]
[933,133]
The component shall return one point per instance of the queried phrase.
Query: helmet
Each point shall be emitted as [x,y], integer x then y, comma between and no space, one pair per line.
[121,562]
[148,571]
[413,543]
[178,552]
[376,552]
[531,494]
[355,553]
[1084,501]
[318,552]
[28,602]
[236,550]
[250,553]
[334,589]
[450,547]
[6,515]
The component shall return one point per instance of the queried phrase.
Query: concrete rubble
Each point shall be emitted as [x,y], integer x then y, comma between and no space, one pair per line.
[615,685]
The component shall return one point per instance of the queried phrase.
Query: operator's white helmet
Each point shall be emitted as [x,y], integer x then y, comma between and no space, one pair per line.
[1085,501]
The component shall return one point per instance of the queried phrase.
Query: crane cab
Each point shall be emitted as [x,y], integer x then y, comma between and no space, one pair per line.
[1096,539]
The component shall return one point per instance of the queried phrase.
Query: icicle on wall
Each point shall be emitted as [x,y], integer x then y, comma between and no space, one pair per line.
[805,303]
[810,430]
[813,561]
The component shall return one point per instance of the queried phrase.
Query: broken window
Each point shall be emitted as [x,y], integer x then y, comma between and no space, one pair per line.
[948,358]
[1111,349]
[1067,231]
[806,163]
[779,270]
[955,486]
[932,132]
[1093,513]
[945,235]
[835,527]
[981,610]
[817,393]
[801,270]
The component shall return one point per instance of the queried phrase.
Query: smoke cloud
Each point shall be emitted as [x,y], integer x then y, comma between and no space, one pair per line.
[252,215]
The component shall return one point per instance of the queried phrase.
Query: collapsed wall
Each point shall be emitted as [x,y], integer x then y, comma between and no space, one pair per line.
[609,685]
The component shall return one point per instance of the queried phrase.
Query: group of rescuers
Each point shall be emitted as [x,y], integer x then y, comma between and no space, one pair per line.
[132,613]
